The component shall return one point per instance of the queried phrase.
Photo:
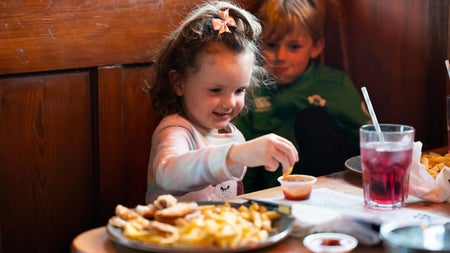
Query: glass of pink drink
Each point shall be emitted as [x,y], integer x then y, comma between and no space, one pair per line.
[385,165]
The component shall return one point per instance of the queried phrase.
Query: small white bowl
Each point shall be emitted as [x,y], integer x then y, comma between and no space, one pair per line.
[330,242]
[296,186]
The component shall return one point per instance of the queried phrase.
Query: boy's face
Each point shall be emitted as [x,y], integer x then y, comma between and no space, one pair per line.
[288,58]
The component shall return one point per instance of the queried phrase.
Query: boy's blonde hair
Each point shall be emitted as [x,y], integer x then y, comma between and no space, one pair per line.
[281,17]
[181,48]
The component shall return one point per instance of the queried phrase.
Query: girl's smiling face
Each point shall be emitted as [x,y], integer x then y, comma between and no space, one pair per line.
[214,92]
[288,57]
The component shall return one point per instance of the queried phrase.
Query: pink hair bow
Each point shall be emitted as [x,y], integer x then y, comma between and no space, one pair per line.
[221,25]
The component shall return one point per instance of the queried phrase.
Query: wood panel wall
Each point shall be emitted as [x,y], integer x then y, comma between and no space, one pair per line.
[46,171]
[397,50]
[76,125]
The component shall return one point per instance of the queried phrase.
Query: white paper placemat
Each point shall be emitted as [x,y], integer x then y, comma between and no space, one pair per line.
[352,207]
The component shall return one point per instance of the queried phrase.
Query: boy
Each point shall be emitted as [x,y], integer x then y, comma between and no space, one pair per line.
[315,107]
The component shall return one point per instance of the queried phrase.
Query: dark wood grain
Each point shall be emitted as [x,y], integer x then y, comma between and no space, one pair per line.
[45,162]
[396,50]
[47,35]
[126,124]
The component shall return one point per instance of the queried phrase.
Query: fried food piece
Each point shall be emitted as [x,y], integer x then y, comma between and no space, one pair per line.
[183,221]
[434,162]
[153,232]
[165,201]
[125,213]
[146,211]
[170,214]
[161,227]
[116,221]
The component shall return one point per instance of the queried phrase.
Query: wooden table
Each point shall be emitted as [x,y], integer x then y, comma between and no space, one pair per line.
[96,240]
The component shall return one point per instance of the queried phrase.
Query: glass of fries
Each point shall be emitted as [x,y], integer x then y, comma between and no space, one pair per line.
[435,162]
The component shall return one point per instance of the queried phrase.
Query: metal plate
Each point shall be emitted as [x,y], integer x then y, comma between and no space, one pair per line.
[283,227]
[354,164]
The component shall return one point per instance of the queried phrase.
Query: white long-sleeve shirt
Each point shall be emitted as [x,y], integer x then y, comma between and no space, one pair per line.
[190,163]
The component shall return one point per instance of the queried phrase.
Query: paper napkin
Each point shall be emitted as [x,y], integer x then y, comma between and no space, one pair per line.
[311,219]
[422,185]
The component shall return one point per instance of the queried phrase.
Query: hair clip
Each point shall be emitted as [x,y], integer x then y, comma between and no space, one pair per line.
[221,25]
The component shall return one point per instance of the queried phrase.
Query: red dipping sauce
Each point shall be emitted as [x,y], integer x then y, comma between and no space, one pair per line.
[297,187]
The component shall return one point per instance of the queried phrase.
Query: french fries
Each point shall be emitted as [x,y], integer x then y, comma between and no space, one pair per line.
[220,225]
[434,162]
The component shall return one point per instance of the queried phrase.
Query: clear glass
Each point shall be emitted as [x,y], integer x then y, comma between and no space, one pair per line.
[385,165]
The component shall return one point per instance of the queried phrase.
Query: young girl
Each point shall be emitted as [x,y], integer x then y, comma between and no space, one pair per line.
[203,71]
[316,107]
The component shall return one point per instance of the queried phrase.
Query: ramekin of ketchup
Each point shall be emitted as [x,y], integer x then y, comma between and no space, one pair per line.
[297,186]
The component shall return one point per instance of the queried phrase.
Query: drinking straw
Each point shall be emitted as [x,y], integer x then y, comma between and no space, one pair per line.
[448,67]
[372,113]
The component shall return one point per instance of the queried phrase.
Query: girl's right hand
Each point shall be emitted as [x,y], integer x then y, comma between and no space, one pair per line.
[269,151]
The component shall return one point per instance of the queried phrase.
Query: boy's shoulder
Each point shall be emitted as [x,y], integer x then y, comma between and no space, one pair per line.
[322,72]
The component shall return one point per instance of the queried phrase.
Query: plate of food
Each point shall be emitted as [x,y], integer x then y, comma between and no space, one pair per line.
[354,164]
[171,226]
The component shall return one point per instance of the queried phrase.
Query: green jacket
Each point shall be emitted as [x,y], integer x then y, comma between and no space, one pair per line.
[275,108]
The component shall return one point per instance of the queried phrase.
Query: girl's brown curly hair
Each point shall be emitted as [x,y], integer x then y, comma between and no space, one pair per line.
[180,49]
